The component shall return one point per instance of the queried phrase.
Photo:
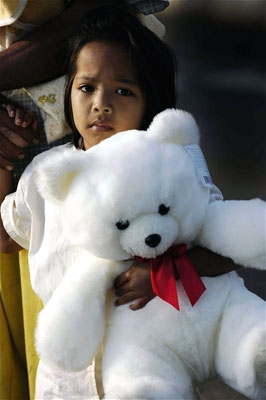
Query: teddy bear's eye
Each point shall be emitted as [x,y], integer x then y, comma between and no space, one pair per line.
[121,225]
[163,210]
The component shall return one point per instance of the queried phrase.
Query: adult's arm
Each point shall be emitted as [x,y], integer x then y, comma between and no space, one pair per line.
[13,140]
[41,55]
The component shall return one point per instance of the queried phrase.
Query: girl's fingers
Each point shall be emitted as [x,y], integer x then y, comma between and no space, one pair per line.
[131,296]
[140,303]
[121,279]
[123,289]
[126,298]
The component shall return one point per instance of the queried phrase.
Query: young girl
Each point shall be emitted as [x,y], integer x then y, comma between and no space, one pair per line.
[120,76]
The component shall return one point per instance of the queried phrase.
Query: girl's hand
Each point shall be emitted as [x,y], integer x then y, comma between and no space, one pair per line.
[21,117]
[134,284]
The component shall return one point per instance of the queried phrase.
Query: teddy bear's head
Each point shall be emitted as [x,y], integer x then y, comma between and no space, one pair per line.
[136,193]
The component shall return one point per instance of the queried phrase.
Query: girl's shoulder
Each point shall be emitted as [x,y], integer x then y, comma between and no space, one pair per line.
[47,153]
[41,159]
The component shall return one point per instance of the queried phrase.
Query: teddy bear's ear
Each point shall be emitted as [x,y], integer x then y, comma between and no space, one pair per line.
[55,171]
[174,126]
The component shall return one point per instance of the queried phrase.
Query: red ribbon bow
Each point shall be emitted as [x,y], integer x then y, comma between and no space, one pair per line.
[163,276]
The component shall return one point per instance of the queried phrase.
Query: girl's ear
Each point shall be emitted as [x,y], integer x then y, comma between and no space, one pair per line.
[55,172]
[174,126]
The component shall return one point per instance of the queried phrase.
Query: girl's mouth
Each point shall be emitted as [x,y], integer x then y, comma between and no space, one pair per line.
[101,126]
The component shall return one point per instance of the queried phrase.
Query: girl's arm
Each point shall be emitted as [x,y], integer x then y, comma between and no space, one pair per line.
[7,245]
[41,55]
[208,263]
[135,283]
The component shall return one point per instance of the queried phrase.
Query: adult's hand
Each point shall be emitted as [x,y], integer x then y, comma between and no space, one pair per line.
[14,139]
[40,56]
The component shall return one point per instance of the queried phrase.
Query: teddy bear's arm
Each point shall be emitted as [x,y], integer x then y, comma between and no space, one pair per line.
[71,326]
[236,229]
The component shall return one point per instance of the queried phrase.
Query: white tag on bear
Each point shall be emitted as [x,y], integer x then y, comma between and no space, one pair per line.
[197,156]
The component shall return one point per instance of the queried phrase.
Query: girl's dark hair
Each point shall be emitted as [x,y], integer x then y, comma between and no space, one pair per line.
[153,59]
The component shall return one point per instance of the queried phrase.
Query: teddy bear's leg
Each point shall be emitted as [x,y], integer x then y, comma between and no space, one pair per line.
[241,349]
[146,388]
[150,388]
[141,372]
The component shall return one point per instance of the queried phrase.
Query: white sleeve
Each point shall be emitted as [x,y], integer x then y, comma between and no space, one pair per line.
[15,212]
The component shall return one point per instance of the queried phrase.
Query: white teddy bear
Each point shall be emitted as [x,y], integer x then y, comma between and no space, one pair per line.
[138,194]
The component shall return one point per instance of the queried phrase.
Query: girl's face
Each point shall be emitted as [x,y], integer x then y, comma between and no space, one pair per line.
[106,97]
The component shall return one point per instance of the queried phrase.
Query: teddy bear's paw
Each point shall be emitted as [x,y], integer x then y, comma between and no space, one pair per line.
[70,359]
[74,361]
[64,348]
[260,368]
[71,353]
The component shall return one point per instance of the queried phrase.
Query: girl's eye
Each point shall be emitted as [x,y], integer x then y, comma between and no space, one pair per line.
[87,88]
[124,92]
[121,225]
[163,210]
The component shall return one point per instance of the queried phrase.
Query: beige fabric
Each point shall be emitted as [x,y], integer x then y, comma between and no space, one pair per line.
[49,97]
[11,10]
[151,22]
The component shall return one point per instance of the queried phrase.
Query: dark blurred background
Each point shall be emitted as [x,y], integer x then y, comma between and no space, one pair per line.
[220,49]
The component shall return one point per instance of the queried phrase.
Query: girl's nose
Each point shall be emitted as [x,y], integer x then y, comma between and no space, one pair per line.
[101,108]
[102,104]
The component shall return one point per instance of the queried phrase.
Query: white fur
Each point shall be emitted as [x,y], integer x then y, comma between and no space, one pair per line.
[175,126]
[156,352]
[236,229]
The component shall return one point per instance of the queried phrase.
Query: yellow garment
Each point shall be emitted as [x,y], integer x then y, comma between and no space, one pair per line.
[31,305]
[18,360]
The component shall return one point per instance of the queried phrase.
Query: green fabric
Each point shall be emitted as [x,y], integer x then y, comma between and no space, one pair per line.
[19,307]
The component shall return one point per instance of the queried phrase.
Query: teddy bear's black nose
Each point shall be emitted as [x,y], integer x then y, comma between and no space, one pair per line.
[153,240]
